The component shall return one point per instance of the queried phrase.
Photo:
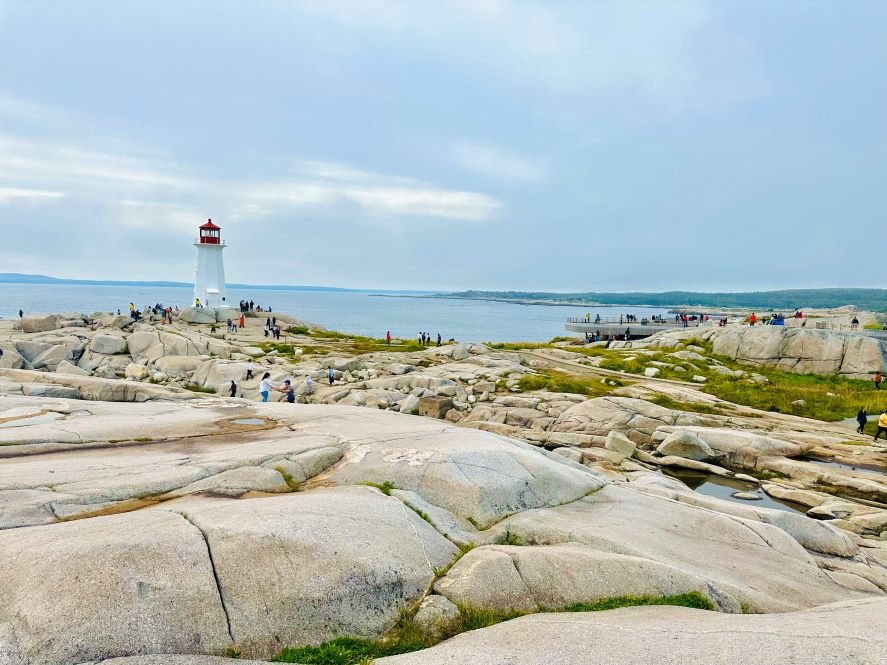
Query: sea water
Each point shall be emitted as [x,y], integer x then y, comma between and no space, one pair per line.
[357,313]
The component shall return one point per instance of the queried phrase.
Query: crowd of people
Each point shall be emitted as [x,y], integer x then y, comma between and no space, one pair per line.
[424,339]
[251,306]
[157,309]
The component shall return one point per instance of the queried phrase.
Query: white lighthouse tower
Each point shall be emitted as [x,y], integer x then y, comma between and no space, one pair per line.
[209,281]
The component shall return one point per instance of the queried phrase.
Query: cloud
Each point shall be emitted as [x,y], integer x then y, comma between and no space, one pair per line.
[145,188]
[491,161]
[13,194]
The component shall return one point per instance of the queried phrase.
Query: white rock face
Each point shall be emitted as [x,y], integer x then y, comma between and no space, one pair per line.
[784,576]
[514,578]
[350,558]
[844,632]
[75,601]
[685,443]
[619,443]
[803,350]
[108,344]
[35,323]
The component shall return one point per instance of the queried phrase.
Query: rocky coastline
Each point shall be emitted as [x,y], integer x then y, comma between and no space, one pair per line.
[422,488]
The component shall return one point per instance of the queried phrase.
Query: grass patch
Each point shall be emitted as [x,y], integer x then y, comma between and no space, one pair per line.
[511,539]
[385,487]
[406,637]
[558,382]
[695,407]
[693,599]
[194,388]
[517,346]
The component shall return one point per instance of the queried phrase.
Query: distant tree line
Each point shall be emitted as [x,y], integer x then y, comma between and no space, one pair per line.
[788,299]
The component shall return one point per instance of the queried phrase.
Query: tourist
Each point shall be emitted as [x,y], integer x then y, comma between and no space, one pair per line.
[854,324]
[309,385]
[289,393]
[265,386]
[861,418]
[249,369]
[21,314]
[877,380]
[233,389]
[882,426]
[242,321]
[330,375]
[752,319]
[388,338]
[438,339]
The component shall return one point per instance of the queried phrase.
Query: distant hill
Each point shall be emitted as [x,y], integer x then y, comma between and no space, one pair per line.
[869,299]
[19,278]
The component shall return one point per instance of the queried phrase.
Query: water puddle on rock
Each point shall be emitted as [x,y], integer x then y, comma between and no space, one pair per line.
[248,421]
[724,488]
[847,467]
[40,419]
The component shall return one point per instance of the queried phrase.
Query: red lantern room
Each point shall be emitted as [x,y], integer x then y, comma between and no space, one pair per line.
[210,234]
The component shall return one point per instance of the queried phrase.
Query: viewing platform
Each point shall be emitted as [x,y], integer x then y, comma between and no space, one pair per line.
[612,326]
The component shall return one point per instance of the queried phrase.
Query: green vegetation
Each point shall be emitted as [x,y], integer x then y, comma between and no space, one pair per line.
[407,637]
[873,326]
[695,407]
[194,388]
[463,550]
[693,599]
[558,382]
[385,487]
[511,539]
[828,398]
[288,479]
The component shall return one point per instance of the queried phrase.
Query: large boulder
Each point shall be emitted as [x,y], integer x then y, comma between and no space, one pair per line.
[51,358]
[178,365]
[507,578]
[108,344]
[204,315]
[76,601]
[685,443]
[472,474]
[346,561]
[34,323]
[758,564]
[848,632]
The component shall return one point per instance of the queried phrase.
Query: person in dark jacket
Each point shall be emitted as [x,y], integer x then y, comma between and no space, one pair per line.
[233,389]
[861,418]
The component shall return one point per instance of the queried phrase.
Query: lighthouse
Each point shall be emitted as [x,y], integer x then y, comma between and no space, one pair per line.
[209,281]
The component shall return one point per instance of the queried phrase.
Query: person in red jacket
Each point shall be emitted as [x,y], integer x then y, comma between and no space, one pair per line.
[752,319]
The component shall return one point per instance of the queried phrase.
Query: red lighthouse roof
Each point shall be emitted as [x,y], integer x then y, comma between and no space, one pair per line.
[210,226]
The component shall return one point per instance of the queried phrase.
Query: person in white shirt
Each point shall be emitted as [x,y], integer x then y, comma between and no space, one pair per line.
[249,370]
[265,386]
[309,385]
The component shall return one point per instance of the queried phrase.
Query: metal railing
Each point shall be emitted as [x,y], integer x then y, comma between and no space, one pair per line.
[615,321]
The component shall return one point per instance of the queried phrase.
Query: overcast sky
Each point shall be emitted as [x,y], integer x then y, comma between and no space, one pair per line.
[569,146]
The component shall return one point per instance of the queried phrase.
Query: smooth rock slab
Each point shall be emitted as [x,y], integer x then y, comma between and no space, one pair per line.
[108,586]
[312,566]
[758,564]
[851,632]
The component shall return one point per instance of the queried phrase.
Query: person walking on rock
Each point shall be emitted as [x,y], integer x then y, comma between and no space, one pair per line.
[438,339]
[242,321]
[329,374]
[388,338]
[249,369]
[233,389]
[752,319]
[882,426]
[265,386]
[861,418]
[309,385]
[877,380]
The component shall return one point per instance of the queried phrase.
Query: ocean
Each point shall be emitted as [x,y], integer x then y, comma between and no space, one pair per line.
[349,312]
